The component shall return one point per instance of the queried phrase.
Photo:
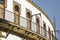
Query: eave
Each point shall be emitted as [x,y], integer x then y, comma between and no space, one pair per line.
[37,7]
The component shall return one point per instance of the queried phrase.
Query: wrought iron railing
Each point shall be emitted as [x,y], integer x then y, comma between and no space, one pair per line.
[23,23]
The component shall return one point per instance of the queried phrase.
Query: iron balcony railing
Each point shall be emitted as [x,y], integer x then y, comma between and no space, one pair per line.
[23,23]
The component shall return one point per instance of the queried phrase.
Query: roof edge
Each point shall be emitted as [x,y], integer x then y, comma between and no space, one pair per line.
[30,1]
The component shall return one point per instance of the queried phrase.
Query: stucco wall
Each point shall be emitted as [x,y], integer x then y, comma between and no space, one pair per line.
[24,4]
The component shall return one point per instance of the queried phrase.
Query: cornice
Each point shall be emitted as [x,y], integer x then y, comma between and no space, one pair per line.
[30,1]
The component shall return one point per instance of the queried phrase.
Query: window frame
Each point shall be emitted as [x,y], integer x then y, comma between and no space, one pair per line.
[4,6]
[17,8]
[27,10]
[19,12]
[5,3]
[38,25]
[49,33]
[44,27]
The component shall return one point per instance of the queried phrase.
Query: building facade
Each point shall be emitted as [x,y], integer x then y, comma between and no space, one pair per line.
[24,20]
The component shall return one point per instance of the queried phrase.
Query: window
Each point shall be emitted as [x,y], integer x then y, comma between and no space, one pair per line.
[37,20]
[44,25]
[17,8]
[16,15]
[29,20]
[1,13]
[52,36]
[28,16]
[4,2]
[49,34]
[38,24]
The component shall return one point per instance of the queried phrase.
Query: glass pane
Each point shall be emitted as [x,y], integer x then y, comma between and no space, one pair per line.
[17,8]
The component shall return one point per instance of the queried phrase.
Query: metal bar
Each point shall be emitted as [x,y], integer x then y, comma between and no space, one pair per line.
[9,32]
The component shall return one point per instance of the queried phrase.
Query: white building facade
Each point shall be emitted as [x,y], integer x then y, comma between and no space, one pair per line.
[27,15]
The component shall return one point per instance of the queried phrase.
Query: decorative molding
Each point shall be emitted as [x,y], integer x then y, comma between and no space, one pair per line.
[37,7]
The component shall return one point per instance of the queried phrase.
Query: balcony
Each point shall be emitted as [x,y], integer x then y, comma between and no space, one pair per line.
[21,29]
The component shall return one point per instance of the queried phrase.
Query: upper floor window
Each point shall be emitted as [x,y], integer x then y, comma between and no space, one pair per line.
[38,24]
[29,20]
[44,26]
[49,33]
[2,1]
[37,20]
[28,15]
[16,8]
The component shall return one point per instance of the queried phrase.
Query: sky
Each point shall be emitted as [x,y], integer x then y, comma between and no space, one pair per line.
[51,8]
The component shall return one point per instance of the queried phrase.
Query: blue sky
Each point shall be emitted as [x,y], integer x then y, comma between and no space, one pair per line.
[51,8]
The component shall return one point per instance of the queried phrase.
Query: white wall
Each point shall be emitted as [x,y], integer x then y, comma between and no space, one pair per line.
[24,5]
[48,24]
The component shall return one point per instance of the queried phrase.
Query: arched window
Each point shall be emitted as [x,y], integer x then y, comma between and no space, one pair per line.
[37,20]
[29,20]
[44,25]
[16,8]
[17,14]
[38,25]
[28,15]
